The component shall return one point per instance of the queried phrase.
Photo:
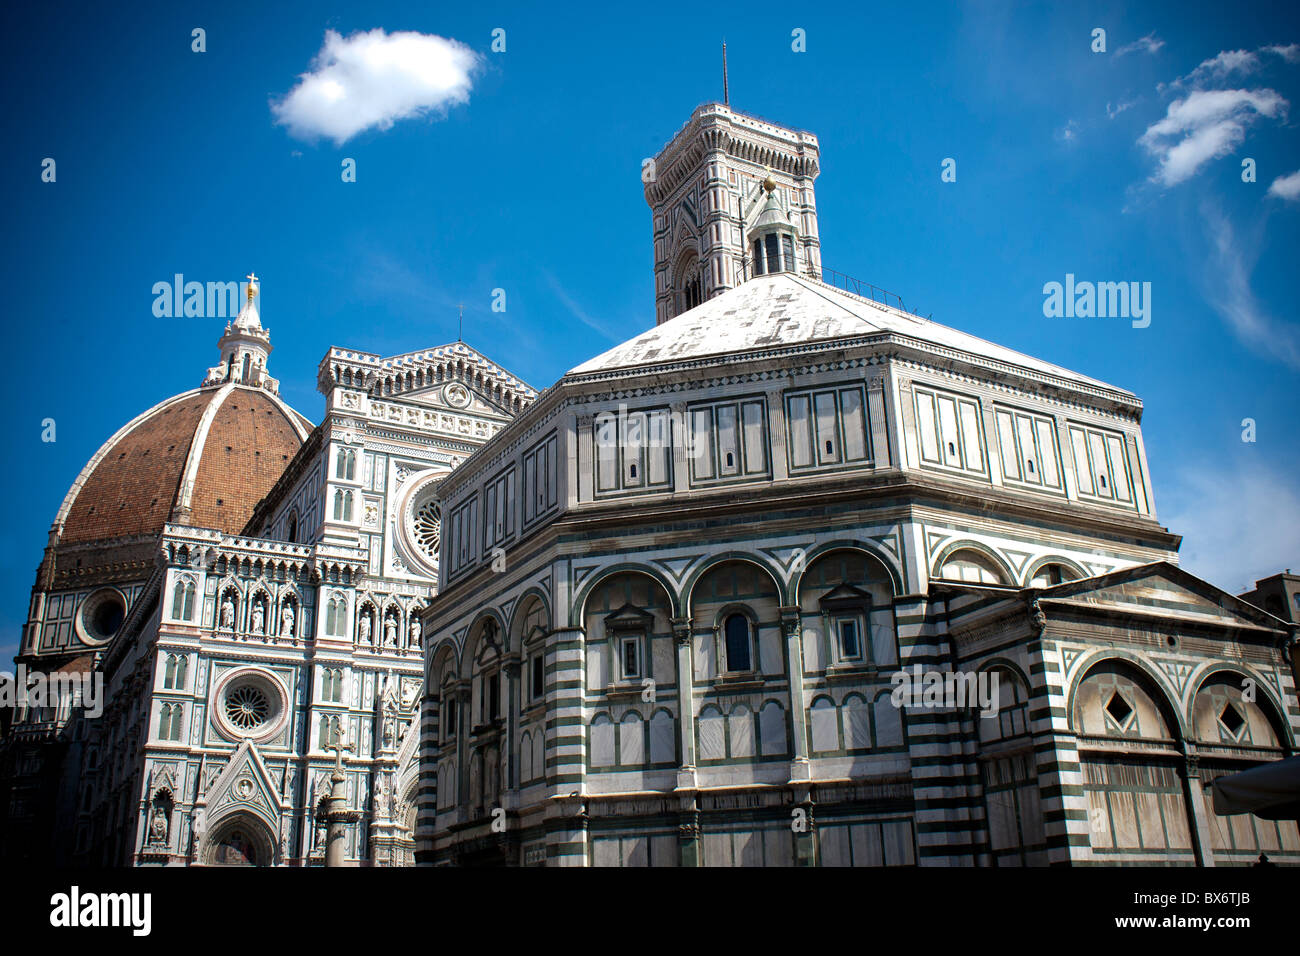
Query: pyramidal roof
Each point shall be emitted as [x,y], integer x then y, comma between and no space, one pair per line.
[783,309]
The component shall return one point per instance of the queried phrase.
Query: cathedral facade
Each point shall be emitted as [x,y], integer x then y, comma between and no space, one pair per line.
[799,577]
[248,586]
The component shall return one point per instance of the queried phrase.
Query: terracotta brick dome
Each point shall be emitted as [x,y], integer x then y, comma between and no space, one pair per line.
[205,457]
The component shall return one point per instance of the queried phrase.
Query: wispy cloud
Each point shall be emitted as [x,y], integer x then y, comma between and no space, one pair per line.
[1147,44]
[1205,125]
[577,311]
[1232,261]
[1286,187]
[1228,63]
[1069,133]
[373,80]
[1240,521]
[1113,111]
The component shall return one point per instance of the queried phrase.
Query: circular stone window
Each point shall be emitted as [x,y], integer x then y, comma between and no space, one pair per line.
[428,526]
[251,703]
[101,616]
[421,522]
[247,707]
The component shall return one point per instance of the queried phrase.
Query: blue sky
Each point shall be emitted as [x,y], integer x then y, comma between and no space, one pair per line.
[1068,161]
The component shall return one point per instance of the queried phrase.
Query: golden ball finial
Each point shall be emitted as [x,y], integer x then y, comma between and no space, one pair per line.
[252,286]
[769,184]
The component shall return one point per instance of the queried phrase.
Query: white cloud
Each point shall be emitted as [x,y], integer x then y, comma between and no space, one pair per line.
[1205,125]
[1227,62]
[1149,44]
[1113,111]
[374,79]
[1286,187]
[1239,523]
[1290,52]
[1230,295]
[1069,133]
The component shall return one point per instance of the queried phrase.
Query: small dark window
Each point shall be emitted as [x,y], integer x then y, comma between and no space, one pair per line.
[1102,479]
[737,635]
[758,257]
[494,696]
[631,657]
[1030,463]
[1119,709]
[829,449]
[773,253]
[1232,719]
[849,647]
[539,676]
[631,471]
[731,460]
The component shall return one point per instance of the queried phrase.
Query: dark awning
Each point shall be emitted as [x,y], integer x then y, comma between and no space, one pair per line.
[1271,791]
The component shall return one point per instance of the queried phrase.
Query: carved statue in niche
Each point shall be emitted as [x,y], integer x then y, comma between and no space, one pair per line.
[158,826]
[227,613]
[390,631]
[383,798]
[415,632]
[286,620]
[259,617]
[363,627]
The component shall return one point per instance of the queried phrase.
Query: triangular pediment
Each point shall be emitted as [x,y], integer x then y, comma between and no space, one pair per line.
[628,617]
[845,595]
[244,785]
[1165,589]
[455,378]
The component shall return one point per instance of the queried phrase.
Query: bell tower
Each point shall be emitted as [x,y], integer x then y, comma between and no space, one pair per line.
[731,196]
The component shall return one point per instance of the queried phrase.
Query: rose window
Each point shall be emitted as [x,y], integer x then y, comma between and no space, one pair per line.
[247,707]
[428,524]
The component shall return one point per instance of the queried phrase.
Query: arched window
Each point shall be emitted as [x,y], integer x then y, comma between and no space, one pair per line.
[332,685]
[169,722]
[174,672]
[689,282]
[1050,574]
[329,732]
[342,505]
[736,630]
[336,611]
[293,527]
[183,599]
[346,464]
[971,566]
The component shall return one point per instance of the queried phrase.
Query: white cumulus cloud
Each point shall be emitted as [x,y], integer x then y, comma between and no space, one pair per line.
[372,80]
[1205,125]
[1286,187]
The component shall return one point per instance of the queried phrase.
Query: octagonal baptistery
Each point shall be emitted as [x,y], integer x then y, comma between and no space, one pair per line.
[781,473]
[203,458]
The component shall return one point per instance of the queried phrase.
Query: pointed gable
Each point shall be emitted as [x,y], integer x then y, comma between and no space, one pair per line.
[245,785]
[1162,589]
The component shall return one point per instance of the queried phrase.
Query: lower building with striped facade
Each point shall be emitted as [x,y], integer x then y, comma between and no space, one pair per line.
[770,585]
